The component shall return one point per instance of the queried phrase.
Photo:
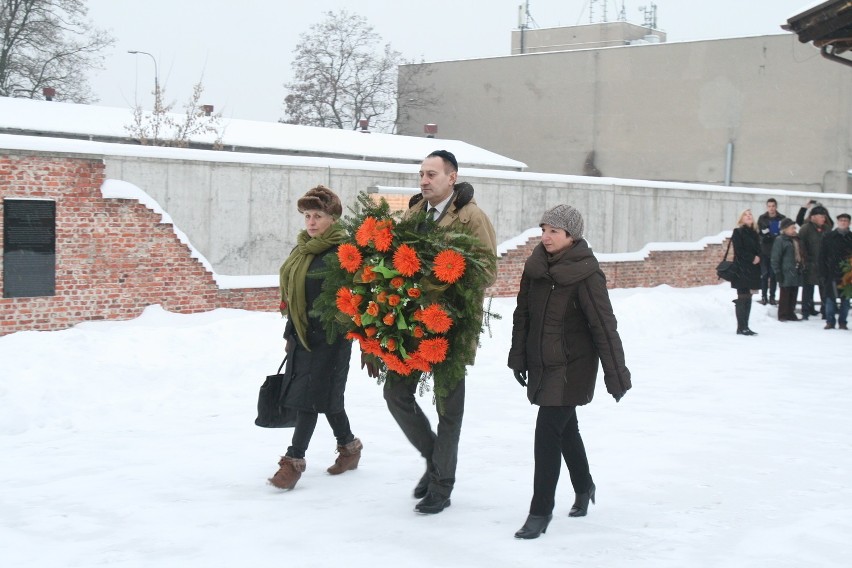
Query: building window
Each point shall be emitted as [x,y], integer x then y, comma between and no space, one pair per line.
[29,248]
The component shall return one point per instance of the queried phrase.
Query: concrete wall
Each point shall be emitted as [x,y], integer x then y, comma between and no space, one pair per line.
[243,218]
[581,37]
[116,256]
[660,112]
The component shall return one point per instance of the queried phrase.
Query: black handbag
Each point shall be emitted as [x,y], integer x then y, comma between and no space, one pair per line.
[271,412]
[727,269]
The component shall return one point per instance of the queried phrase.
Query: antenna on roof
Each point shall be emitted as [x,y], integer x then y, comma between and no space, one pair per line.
[622,14]
[650,14]
[525,22]
[604,6]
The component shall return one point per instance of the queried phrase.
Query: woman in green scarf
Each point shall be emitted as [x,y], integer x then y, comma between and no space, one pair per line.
[318,369]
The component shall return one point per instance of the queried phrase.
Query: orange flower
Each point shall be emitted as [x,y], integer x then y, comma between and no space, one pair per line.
[389,318]
[418,363]
[364,234]
[357,319]
[394,299]
[352,336]
[395,364]
[414,292]
[345,301]
[390,344]
[371,331]
[405,260]
[448,266]
[383,235]
[434,350]
[435,318]
[382,297]
[373,309]
[349,256]
[397,282]
[367,275]
[371,346]
[417,332]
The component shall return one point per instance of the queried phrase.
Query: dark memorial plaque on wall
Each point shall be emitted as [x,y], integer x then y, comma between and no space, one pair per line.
[29,248]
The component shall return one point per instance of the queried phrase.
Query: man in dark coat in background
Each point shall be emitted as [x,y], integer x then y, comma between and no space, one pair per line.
[836,247]
[811,235]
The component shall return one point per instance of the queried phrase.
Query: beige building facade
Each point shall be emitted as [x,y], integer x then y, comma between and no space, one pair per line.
[763,111]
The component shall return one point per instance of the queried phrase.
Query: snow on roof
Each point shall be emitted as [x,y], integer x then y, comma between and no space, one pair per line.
[66,119]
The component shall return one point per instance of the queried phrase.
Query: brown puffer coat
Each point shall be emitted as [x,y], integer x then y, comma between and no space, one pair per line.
[563,327]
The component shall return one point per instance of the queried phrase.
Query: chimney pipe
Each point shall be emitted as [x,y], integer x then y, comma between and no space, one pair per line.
[364,123]
[49,93]
[208,109]
[430,129]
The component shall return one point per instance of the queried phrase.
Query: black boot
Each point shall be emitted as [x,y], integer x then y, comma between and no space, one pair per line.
[747,315]
[743,309]
[738,311]
[581,502]
[534,526]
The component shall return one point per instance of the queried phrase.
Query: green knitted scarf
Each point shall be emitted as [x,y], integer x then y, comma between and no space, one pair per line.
[294,271]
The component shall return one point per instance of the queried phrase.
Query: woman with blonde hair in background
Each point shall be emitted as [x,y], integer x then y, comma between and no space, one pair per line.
[746,242]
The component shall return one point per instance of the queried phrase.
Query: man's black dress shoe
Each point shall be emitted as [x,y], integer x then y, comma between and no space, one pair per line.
[422,486]
[432,504]
[534,526]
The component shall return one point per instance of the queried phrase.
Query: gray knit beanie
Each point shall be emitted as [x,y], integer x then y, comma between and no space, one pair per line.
[564,217]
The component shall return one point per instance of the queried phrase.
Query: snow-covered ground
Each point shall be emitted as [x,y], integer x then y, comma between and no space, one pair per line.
[132,444]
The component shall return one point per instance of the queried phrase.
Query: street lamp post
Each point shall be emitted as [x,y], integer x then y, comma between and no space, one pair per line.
[156,72]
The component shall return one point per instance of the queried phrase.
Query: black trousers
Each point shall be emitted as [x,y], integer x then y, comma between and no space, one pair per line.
[557,437]
[808,299]
[440,450]
[306,421]
[787,303]
[768,281]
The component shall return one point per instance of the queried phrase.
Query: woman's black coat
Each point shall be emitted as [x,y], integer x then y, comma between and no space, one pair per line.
[746,243]
[319,375]
[563,326]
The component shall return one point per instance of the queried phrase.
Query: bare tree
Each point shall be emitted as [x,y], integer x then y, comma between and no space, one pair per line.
[48,43]
[160,127]
[343,75]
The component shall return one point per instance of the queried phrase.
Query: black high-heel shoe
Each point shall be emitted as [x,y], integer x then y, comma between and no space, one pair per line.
[581,502]
[534,526]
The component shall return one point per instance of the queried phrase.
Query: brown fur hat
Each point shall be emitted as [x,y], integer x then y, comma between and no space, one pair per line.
[322,199]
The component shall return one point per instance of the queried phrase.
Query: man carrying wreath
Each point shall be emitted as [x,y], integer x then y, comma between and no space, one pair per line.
[444,207]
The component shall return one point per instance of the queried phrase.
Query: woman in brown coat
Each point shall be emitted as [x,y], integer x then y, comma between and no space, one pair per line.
[563,327]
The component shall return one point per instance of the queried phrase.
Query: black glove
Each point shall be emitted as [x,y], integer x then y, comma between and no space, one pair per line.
[521,377]
[617,396]
[372,367]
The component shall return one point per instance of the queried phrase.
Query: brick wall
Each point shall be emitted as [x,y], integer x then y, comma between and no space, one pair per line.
[114,257]
[680,269]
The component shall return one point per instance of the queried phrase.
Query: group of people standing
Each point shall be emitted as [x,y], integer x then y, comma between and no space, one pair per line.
[807,253]
[563,329]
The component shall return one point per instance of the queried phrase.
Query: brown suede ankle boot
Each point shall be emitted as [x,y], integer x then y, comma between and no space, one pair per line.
[348,457]
[288,473]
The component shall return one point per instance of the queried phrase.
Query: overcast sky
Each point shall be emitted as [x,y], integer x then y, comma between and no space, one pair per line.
[245,48]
